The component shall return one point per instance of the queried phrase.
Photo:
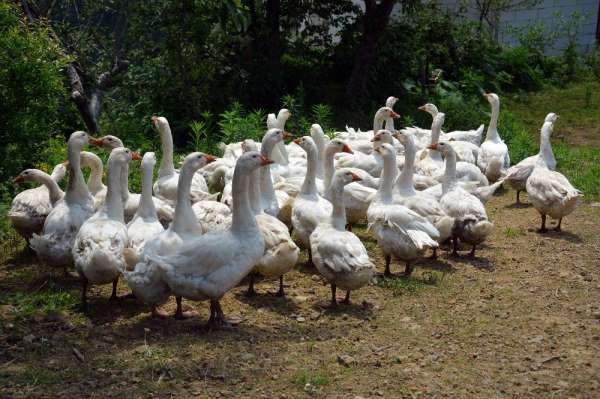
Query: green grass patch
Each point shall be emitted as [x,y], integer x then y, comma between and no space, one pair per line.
[316,379]
[512,232]
[26,304]
[412,285]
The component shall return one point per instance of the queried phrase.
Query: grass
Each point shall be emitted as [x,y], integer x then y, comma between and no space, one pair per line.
[512,232]
[26,304]
[315,379]
[410,286]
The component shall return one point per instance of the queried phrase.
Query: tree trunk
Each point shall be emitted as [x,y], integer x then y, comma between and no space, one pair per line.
[374,24]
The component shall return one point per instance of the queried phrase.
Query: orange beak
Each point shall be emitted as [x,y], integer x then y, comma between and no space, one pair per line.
[265,161]
[135,156]
[356,177]
[210,158]
[297,141]
[347,149]
[18,179]
[376,138]
[433,146]
[422,108]
[96,142]
[287,135]
[394,115]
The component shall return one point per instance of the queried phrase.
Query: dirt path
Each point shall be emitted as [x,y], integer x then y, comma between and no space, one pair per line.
[523,320]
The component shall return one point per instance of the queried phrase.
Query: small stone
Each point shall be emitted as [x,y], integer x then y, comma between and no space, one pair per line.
[301,298]
[247,357]
[379,393]
[300,319]
[346,360]
[315,277]
[345,316]
[315,315]
[596,315]
[309,388]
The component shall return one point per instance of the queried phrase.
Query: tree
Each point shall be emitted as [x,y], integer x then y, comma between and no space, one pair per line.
[489,11]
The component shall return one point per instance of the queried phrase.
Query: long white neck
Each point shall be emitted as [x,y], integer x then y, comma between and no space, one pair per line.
[125,183]
[436,129]
[77,190]
[185,220]
[267,192]
[58,173]
[389,124]
[449,181]
[328,166]
[319,140]
[309,185]
[405,185]
[338,214]
[388,175]
[546,147]
[377,122]
[114,200]
[254,192]
[96,169]
[166,163]
[146,207]
[243,219]
[54,191]
[492,130]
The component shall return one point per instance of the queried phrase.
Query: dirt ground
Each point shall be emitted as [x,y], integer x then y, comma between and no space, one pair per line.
[521,320]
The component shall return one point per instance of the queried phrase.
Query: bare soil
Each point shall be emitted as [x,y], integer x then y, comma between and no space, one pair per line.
[520,320]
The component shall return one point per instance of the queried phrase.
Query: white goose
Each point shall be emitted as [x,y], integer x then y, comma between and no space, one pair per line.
[207,267]
[144,225]
[400,232]
[370,163]
[54,245]
[101,240]
[517,175]
[166,186]
[275,203]
[279,153]
[361,141]
[550,192]
[405,193]
[339,255]
[471,223]
[493,159]
[94,183]
[281,253]
[30,207]
[146,278]
[310,208]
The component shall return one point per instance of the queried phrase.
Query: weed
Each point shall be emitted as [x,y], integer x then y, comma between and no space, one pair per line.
[26,304]
[512,232]
[412,285]
[316,379]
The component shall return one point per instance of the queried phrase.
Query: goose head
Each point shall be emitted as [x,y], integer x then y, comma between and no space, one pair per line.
[492,98]
[107,143]
[337,145]
[79,139]
[124,155]
[386,150]
[430,108]
[194,161]
[316,130]
[551,117]
[383,136]
[306,143]
[160,123]
[252,160]
[149,160]
[274,136]
[344,176]
[391,101]
[249,145]
[385,113]
[402,136]
[28,175]
[283,115]
[442,146]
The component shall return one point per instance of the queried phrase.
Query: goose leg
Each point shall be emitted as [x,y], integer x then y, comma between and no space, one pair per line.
[251,291]
[281,292]
[557,228]
[333,298]
[180,314]
[408,269]
[434,254]
[454,246]
[113,296]
[310,260]
[217,317]
[387,272]
[518,200]
[346,300]
[84,288]
[472,253]
[543,228]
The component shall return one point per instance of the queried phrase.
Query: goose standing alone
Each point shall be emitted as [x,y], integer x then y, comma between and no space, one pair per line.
[339,255]
[55,243]
[30,208]
[101,240]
